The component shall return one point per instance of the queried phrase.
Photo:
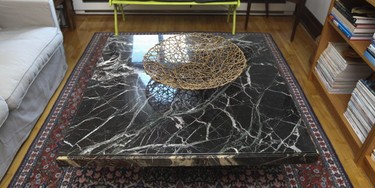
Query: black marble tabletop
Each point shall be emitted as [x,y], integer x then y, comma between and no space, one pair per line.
[127,118]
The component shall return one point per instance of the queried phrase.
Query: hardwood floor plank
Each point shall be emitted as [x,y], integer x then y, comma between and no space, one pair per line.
[296,53]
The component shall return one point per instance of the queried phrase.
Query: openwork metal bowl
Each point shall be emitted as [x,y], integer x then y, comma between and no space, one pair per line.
[194,61]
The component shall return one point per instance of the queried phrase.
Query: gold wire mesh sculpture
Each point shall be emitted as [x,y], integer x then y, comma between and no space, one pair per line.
[194,61]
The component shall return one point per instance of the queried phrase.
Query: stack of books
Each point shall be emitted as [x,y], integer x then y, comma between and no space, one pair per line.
[339,68]
[370,51]
[360,112]
[356,19]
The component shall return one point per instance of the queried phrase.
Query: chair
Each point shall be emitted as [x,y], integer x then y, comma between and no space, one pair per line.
[300,5]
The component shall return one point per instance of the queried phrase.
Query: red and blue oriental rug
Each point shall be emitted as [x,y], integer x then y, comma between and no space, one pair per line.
[40,168]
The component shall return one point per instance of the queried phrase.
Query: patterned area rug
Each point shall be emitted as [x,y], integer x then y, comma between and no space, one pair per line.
[39,168]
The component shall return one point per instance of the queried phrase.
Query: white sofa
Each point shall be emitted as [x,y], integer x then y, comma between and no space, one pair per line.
[32,65]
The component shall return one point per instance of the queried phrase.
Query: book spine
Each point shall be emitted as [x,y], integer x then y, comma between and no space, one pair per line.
[340,26]
[358,30]
[371,49]
[369,57]
[370,93]
[364,22]
[365,26]
[344,21]
[345,12]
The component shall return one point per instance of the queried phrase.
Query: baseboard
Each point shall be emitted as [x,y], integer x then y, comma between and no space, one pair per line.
[312,25]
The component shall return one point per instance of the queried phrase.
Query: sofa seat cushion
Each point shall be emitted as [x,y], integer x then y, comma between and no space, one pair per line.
[24,52]
[4,112]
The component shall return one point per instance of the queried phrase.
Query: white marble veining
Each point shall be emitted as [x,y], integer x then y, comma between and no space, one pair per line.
[126,116]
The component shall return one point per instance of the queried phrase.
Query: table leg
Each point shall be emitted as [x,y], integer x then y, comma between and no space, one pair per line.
[228,13]
[122,12]
[234,21]
[115,17]
[247,12]
[298,13]
[69,13]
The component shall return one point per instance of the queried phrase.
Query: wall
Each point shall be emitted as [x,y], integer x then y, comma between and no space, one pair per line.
[319,8]
[97,7]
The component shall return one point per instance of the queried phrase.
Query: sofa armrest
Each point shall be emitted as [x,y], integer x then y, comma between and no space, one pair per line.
[27,13]
[4,111]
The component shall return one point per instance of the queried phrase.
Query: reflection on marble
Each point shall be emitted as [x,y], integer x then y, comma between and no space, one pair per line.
[127,118]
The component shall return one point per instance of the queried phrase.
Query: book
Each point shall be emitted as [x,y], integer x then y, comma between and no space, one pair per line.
[364,21]
[347,33]
[357,12]
[346,12]
[358,99]
[367,91]
[352,28]
[357,118]
[344,21]
[365,25]
[362,125]
[360,111]
[369,57]
[370,85]
[371,49]
[339,25]
[366,11]
[354,127]
[339,68]
[357,8]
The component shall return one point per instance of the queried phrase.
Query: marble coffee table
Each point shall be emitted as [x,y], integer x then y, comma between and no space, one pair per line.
[126,118]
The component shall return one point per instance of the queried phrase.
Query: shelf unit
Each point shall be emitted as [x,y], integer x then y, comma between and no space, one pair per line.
[362,151]
[372,2]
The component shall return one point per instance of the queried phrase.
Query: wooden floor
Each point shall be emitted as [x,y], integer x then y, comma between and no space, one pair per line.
[296,53]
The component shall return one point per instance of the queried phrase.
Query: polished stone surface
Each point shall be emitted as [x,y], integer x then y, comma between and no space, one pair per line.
[127,118]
